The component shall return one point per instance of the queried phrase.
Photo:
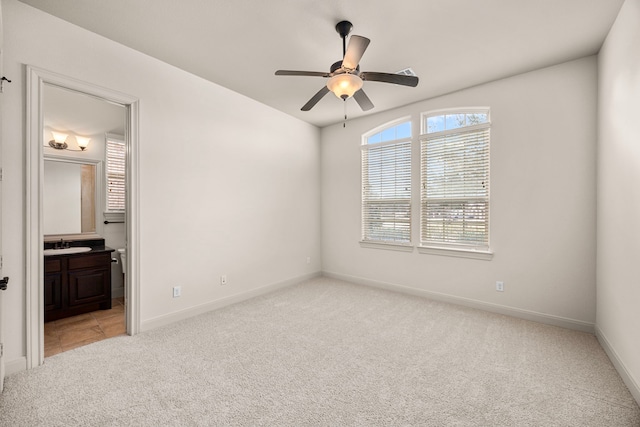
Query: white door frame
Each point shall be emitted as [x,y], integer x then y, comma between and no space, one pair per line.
[34,280]
[2,369]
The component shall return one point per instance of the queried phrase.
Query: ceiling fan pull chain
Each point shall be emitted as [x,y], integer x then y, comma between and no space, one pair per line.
[344,124]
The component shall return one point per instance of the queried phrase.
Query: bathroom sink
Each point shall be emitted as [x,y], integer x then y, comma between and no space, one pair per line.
[66,251]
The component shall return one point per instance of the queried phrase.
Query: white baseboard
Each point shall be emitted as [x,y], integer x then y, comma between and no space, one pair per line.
[630,382]
[117,292]
[15,365]
[169,318]
[548,319]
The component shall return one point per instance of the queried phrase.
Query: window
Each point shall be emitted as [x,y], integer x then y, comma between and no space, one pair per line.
[386,184]
[115,155]
[455,180]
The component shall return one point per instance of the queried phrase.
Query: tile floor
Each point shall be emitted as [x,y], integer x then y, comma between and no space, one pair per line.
[71,332]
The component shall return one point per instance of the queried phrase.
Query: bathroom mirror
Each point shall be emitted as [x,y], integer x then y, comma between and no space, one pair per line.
[70,197]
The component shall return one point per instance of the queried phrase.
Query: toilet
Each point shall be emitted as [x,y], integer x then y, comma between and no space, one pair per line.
[123,259]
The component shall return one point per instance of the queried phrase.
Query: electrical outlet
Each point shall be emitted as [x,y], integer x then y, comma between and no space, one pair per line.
[223,279]
[177,291]
[500,286]
[308,260]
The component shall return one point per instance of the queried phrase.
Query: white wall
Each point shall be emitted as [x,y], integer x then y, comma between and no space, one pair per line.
[227,185]
[618,281]
[543,148]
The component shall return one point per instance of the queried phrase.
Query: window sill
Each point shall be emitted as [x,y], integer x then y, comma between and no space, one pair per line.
[456,252]
[388,246]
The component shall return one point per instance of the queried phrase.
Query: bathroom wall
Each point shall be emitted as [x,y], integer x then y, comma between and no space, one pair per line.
[618,314]
[543,156]
[227,185]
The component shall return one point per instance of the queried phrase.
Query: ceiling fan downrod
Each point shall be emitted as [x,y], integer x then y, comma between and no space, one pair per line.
[344,28]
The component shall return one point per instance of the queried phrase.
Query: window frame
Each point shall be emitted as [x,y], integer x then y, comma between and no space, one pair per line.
[366,241]
[444,248]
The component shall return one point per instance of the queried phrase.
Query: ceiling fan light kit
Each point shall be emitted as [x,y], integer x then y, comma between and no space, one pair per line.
[345,78]
[344,85]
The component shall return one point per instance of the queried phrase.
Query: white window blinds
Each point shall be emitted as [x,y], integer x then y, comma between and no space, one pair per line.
[455,181]
[115,155]
[386,186]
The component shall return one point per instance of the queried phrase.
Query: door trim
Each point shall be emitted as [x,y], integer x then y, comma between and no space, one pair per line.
[34,275]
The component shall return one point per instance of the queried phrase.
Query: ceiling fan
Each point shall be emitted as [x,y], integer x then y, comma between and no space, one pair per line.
[345,77]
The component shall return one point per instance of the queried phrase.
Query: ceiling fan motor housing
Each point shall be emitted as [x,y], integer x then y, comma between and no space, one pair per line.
[337,68]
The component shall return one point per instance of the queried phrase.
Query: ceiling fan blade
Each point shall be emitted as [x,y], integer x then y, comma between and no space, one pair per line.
[315,98]
[399,79]
[363,100]
[301,73]
[355,50]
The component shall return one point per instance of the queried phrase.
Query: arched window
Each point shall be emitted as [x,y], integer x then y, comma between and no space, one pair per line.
[386,184]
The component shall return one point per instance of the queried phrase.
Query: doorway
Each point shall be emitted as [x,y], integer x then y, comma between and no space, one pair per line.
[82,201]
[41,84]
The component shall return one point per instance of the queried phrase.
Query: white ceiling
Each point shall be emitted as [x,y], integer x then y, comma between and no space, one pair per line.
[450,44]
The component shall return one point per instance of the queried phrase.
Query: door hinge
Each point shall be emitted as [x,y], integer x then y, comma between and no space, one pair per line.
[1,349]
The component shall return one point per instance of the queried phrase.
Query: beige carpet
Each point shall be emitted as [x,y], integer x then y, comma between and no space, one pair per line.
[329,353]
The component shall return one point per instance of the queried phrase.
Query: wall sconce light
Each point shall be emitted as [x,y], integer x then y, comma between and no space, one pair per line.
[344,85]
[59,142]
[83,142]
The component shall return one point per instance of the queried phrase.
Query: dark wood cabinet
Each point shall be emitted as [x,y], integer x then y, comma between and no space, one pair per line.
[52,284]
[88,287]
[76,284]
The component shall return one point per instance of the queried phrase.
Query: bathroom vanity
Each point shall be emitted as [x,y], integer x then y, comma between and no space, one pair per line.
[77,278]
